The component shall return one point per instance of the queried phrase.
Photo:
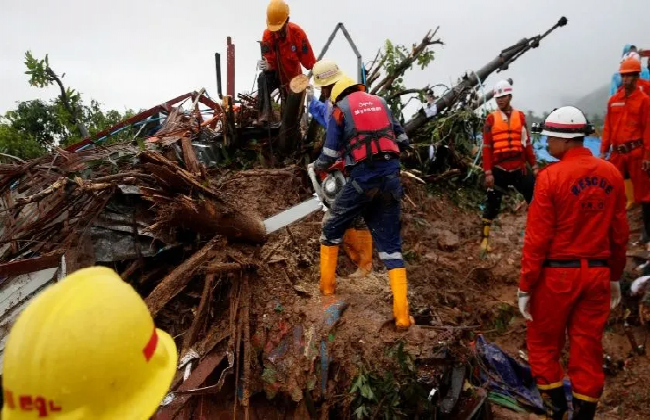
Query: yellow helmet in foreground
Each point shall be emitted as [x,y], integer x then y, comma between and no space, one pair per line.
[340,86]
[87,348]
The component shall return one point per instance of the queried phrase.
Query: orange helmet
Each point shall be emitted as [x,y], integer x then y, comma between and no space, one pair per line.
[277,14]
[630,65]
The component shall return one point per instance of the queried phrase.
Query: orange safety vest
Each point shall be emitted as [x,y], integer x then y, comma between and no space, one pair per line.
[506,135]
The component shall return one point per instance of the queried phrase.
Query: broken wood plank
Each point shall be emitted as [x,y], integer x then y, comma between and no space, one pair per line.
[199,319]
[191,162]
[30,265]
[222,268]
[196,378]
[176,281]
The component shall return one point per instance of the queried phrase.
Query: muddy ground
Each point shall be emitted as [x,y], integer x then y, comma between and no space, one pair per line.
[447,281]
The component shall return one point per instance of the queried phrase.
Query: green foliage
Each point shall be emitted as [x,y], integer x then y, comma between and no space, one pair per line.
[390,392]
[39,121]
[37,70]
[16,144]
[393,57]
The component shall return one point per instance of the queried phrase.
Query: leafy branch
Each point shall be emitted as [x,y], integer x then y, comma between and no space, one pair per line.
[42,75]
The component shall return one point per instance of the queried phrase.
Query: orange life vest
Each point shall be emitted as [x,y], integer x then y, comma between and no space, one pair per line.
[506,134]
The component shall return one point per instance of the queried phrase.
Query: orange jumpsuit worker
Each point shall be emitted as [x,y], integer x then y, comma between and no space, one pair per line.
[627,133]
[573,256]
[506,149]
[284,48]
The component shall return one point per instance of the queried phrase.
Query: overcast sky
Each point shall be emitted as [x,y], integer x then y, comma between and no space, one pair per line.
[136,54]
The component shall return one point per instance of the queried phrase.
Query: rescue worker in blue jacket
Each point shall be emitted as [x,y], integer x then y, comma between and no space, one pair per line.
[363,131]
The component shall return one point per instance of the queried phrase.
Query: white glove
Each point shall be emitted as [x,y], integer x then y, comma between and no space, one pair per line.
[524,304]
[263,64]
[615,297]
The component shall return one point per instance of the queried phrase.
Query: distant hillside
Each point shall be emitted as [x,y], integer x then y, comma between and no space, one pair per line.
[595,102]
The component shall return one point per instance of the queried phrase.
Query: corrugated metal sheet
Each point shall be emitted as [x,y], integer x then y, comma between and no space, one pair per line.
[15,294]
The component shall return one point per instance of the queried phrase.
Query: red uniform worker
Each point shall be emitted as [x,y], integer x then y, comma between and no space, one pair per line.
[573,257]
[285,48]
[627,133]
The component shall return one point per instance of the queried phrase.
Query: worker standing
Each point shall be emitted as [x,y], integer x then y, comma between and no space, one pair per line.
[626,134]
[629,50]
[285,48]
[573,256]
[506,150]
[86,348]
[357,241]
[365,134]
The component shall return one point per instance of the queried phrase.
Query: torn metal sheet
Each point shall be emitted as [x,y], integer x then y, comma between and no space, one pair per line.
[111,245]
[15,294]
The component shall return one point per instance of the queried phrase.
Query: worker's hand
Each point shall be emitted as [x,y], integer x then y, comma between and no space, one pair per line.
[535,171]
[615,296]
[523,299]
[263,65]
[489,179]
[646,165]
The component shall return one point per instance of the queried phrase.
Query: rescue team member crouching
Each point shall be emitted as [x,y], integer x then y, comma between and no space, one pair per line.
[573,256]
[285,48]
[627,133]
[357,241]
[506,149]
[364,132]
[86,348]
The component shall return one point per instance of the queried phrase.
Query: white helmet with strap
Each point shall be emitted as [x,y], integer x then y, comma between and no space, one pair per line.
[567,122]
[502,88]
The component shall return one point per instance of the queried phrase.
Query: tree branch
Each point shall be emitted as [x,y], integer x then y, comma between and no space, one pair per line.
[66,103]
[407,62]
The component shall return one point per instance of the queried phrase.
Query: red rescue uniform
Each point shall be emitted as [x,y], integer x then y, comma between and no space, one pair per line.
[497,150]
[627,133]
[575,244]
[285,55]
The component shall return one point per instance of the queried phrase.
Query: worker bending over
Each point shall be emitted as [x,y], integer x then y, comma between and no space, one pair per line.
[357,241]
[506,149]
[626,134]
[284,48]
[364,132]
[573,257]
[86,348]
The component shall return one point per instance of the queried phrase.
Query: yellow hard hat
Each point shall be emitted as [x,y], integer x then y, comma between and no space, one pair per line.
[326,73]
[87,348]
[344,83]
[277,13]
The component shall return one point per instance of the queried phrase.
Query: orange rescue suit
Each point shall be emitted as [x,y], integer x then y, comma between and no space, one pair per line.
[578,214]
[504,139]
[628,122]
[285,55]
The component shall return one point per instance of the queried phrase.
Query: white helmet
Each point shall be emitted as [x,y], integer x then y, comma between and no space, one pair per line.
[326,73]
[567,122]
[502,88]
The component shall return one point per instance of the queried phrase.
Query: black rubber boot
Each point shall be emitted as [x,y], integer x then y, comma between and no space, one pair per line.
[555,403]
[583,410]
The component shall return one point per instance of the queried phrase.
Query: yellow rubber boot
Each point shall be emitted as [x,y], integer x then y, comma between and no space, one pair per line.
[328,258]
[364,246]
[351,245]
[485,246]
[399,287]
[629,193]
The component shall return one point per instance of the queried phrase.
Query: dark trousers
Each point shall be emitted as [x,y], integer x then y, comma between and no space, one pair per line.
[523,183]
[378,200]
[267,82]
